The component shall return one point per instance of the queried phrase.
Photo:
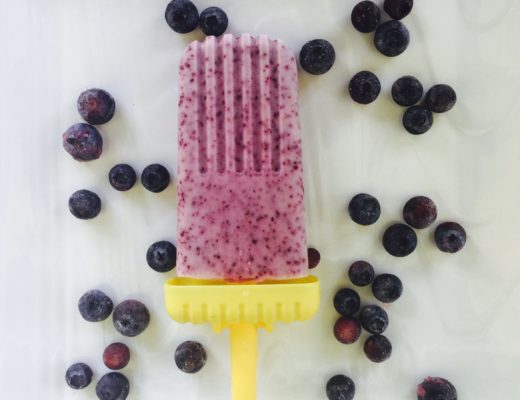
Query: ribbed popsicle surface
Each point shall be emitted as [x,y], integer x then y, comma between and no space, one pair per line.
[240,188]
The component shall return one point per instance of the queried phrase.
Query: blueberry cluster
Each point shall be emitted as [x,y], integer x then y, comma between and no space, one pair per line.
[130,318]
[391,38]
[86,204]
[82,140]
[386,288]
[418,118]
[84,143]
[419,212]
[183,17]
[407,91]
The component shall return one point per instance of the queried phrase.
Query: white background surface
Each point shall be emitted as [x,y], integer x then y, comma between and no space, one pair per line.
[459,314]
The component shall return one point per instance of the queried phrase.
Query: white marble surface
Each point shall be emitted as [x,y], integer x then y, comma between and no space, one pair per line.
[459,314]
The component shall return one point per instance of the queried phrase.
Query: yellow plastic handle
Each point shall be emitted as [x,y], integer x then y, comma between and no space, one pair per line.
[244,354]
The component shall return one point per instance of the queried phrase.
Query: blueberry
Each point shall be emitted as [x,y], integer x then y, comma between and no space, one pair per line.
[364,87]
[113,386]
[182,16]
[83,142]
[417,120]
[407,91]
[436,389]
[365,16]
[399,240]
[95,306]
[364,209]
[420,212]
[374,319]
[116,356]
[340,387]
[361,273]
[190,357]
[450,237]
[378,348]
[347,330]
[317,56]
[162,256]
[398,9]
[131,317]
[347,302]
[440,98]
[213,21]
[155,178]
[84,204]
[96,106]
[391,38]
[122,177]
[387,288]
[78,376]
[313,256]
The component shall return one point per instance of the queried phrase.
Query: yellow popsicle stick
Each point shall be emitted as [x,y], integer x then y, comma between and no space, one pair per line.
[243,308]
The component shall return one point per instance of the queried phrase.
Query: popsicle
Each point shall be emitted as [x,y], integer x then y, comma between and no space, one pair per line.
[240,185]
[241,245]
